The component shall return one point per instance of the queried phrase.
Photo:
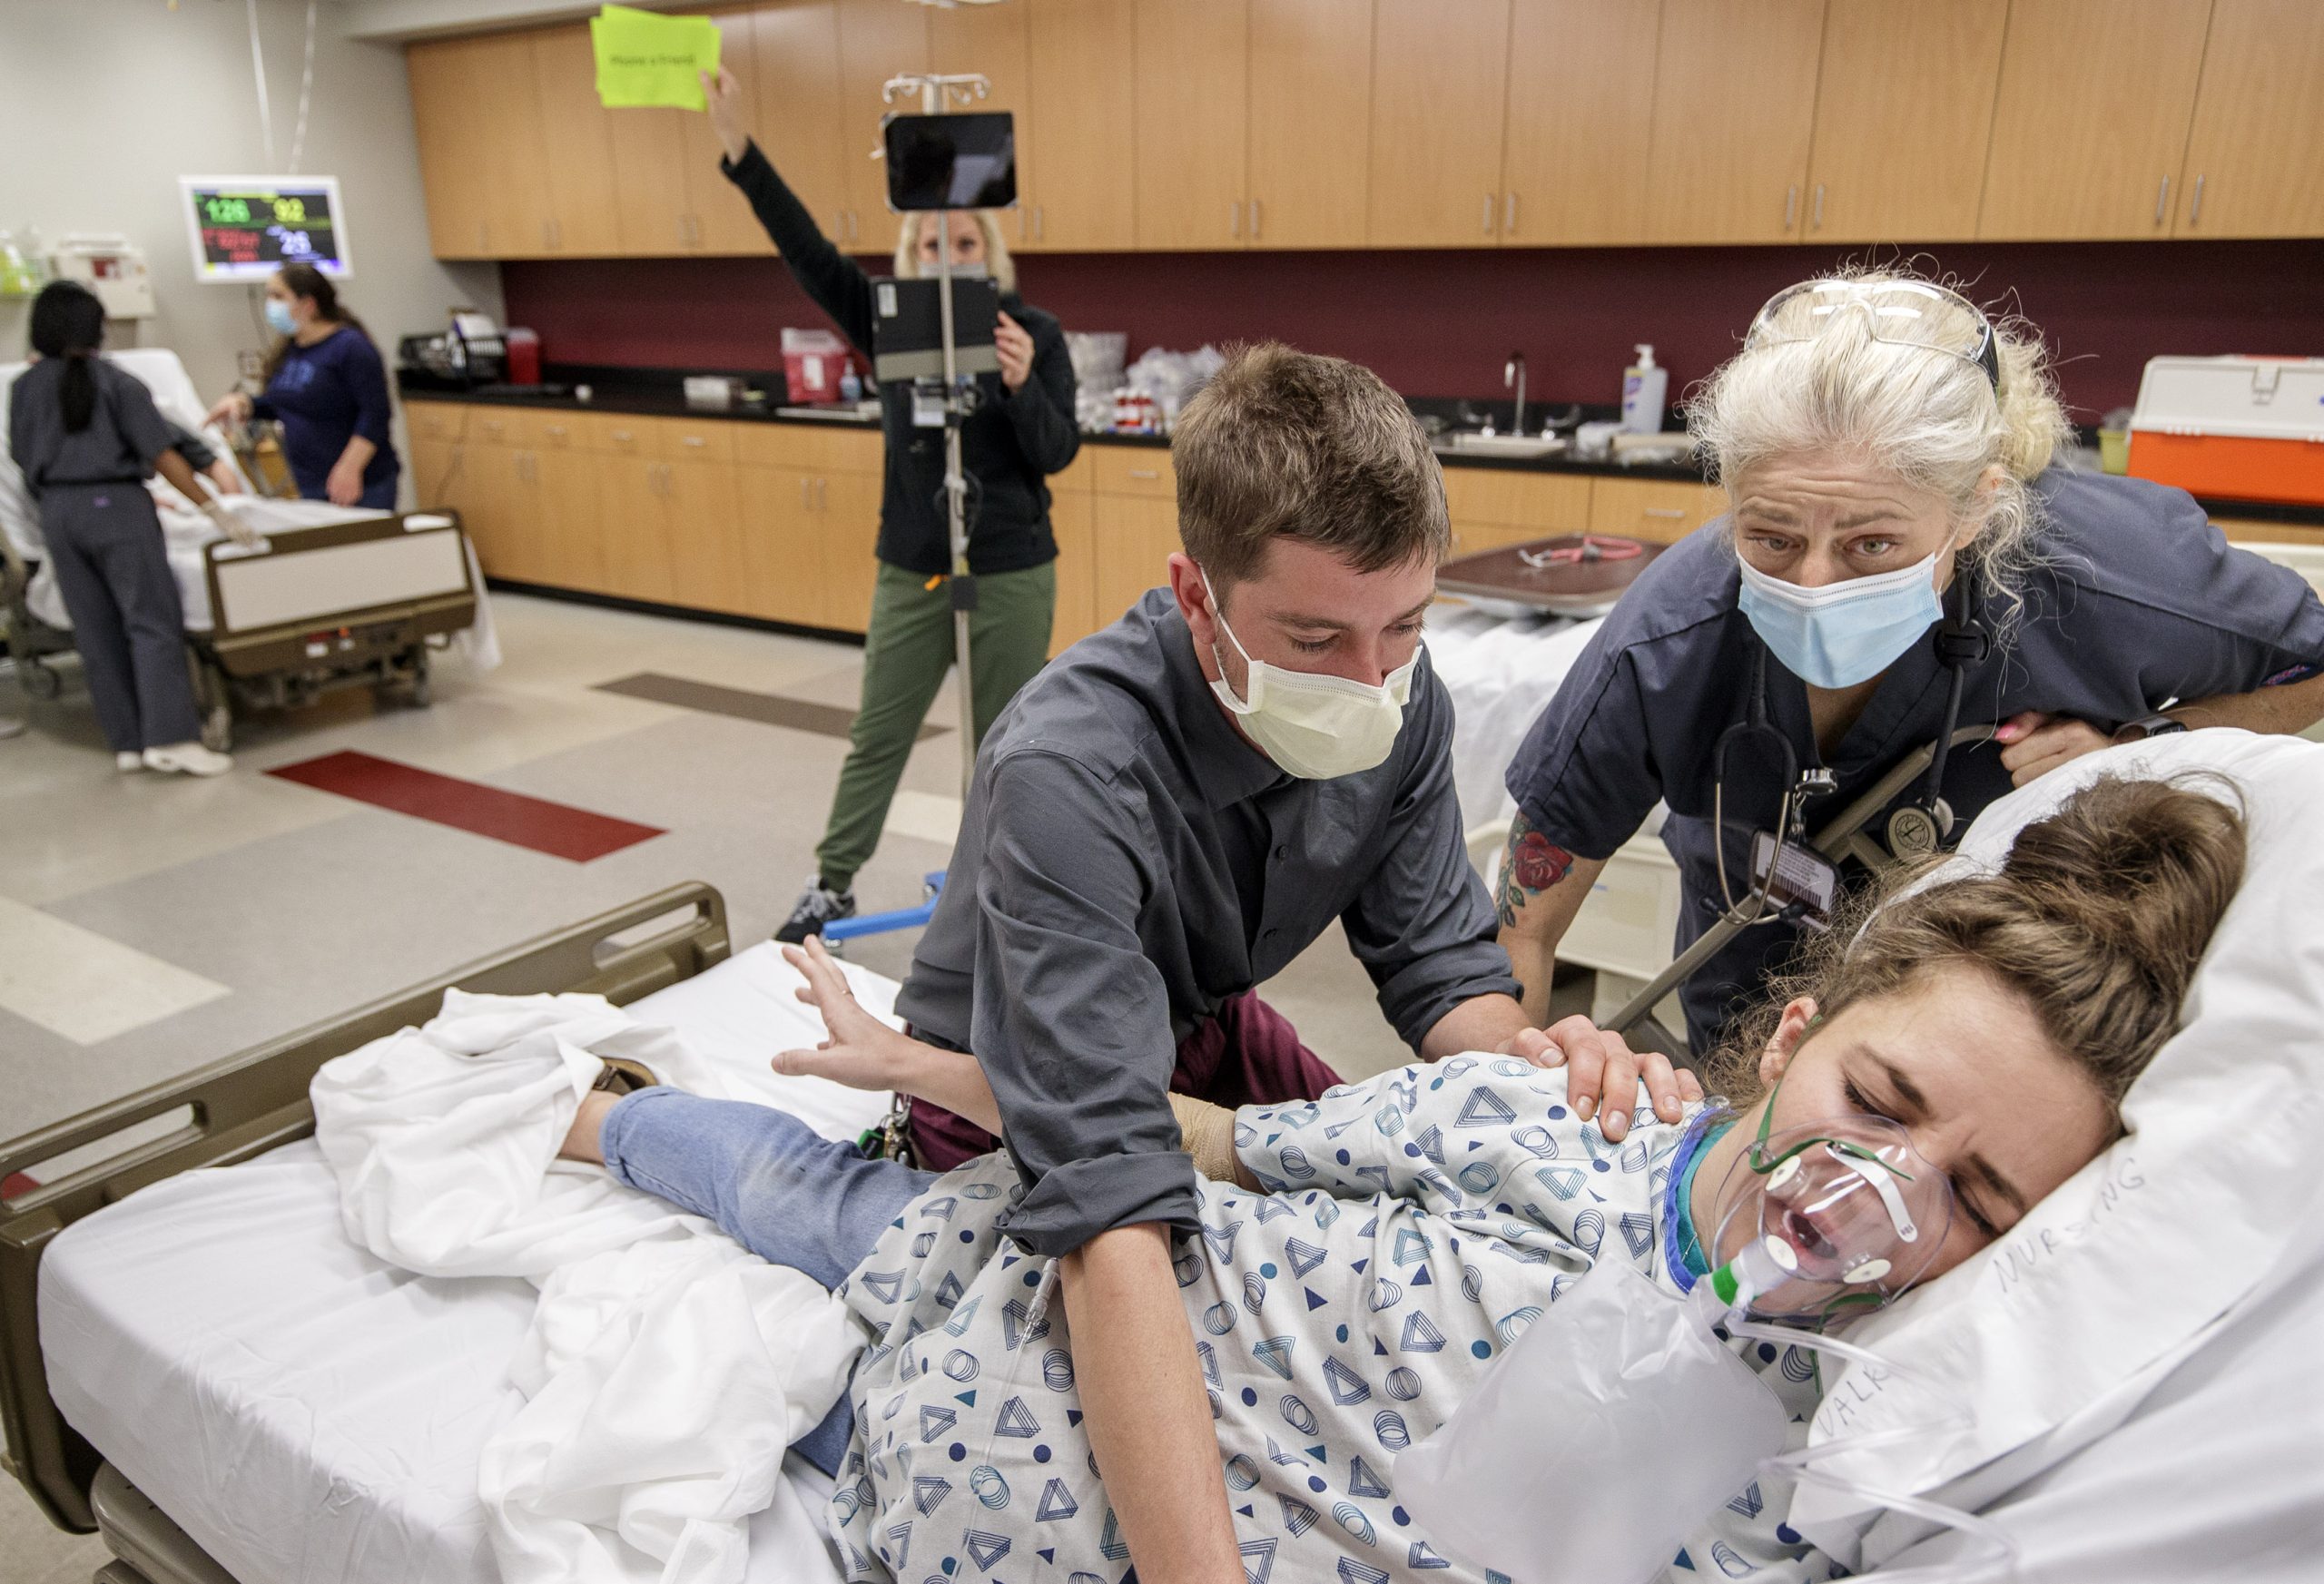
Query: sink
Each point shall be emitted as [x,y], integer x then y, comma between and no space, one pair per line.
[1508,445]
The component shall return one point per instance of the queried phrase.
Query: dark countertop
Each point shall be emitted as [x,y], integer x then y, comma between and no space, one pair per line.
[668,402]
[619,390]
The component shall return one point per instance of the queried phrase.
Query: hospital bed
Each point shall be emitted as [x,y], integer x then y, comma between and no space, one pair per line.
[351,1451]
[199,1365]
[337,598]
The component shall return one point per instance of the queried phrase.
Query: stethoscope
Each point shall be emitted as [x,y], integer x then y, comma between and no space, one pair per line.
[1916,829]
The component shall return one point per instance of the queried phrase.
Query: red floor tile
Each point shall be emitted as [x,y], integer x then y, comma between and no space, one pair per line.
[559,830]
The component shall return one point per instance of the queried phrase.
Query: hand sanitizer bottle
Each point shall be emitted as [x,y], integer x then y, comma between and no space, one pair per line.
[1644,385]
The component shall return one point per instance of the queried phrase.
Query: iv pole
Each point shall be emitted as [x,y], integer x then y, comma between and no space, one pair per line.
[933,89]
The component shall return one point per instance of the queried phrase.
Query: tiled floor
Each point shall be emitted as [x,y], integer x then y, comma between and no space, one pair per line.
[148,926]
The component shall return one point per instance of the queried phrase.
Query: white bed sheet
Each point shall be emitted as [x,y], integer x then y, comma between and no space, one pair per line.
[1501,671]
[305,1411]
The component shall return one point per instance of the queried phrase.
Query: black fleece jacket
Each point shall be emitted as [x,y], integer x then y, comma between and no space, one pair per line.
[1009,445]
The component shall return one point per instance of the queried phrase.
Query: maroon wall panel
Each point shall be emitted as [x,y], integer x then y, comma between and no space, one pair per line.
[1440,323]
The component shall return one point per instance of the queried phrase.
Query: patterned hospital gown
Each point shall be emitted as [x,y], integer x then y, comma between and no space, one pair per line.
[1418,1222]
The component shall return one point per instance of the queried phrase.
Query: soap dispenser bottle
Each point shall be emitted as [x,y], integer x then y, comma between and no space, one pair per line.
[1644,386]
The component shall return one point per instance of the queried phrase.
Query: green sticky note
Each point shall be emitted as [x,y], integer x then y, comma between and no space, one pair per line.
[647,59]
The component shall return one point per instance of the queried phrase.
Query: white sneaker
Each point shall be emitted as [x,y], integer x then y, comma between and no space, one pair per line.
[192,758]
[11,726]
[129,761]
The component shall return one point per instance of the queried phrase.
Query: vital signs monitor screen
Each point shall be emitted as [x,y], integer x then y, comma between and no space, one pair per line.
[245,228]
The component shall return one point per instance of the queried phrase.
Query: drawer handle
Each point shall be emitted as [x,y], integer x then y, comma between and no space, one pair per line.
[622,435]
[694,440]
[557,429]
[1144,473]
[1671,512]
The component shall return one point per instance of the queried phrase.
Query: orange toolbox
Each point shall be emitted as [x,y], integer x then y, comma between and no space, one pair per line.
[2249,429]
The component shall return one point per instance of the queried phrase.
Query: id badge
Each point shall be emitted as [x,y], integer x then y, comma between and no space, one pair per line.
[1791,875]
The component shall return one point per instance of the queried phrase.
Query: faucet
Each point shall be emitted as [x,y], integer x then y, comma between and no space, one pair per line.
[1513,373]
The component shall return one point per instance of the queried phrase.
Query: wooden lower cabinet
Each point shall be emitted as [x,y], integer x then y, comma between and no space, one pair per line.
[1073,518]
[1134,541]
[846,525]
[1657,510]
[703,518]
[783,568]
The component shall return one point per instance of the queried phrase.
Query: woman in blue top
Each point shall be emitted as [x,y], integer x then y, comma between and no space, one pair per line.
[325,382]
[1901,552]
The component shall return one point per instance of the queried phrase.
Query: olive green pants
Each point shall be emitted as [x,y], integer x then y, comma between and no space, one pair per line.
[906,652]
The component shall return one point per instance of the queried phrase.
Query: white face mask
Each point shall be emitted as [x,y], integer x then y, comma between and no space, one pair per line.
[1313,726]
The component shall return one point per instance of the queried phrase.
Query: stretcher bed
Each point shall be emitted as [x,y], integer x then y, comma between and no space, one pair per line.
[340,597]
[223,1384]
[305,1413]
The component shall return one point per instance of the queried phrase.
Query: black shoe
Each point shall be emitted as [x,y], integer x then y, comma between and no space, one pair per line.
[818,906]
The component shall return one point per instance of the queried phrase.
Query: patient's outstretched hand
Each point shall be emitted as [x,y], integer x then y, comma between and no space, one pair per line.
[861,1052]
[1599,1063]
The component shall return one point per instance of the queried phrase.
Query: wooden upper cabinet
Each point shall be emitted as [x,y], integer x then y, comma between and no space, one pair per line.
[719,217]
[2255,156]
[994,42]
[1310,131]
[1580,121]
[795,54]
[1437,87]
[576,133]
[1903,110]
[1734,108]
[2090,130]
[444,117]
[1193,103]
[877,39]
[650,181]
[482,158]
[1085,137]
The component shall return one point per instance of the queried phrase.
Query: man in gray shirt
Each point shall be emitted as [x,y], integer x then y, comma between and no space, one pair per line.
[1167,816]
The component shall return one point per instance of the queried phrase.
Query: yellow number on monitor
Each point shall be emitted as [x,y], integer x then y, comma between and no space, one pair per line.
[291,210]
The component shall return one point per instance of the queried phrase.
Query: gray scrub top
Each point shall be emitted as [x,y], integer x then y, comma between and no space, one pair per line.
[124,435]
[2139,601]
[1126,863]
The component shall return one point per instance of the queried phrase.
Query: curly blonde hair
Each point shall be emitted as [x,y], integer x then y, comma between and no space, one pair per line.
[1928,417]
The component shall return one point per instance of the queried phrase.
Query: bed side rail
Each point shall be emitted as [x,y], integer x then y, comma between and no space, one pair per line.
[252,1102]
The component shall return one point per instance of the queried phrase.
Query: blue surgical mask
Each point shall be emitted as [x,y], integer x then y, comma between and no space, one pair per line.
[1843,633]
[278,316]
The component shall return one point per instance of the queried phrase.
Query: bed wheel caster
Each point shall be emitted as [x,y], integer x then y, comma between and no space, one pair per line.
[39,679]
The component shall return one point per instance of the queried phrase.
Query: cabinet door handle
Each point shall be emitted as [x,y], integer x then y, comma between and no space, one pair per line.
[1235,220]
[2195,210]
[1255,220]
[621,436]
[2162,200]
[1144,473]
[693,440]
[1036,222]
[1509,215]
[806,501]
[1488,214]
[1790,205]
[1815,220]
[483,244]
[822,494]
[1671,512]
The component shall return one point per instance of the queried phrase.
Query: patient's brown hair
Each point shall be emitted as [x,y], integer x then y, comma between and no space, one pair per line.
[1285,444]
[2097,918]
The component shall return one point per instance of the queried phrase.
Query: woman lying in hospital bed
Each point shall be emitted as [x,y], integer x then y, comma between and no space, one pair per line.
[1364,1257]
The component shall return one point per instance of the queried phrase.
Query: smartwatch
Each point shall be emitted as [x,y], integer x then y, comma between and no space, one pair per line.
[2154,726]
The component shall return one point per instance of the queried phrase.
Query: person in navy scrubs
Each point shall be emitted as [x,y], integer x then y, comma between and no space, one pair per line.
[1898,513]
[326,384]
